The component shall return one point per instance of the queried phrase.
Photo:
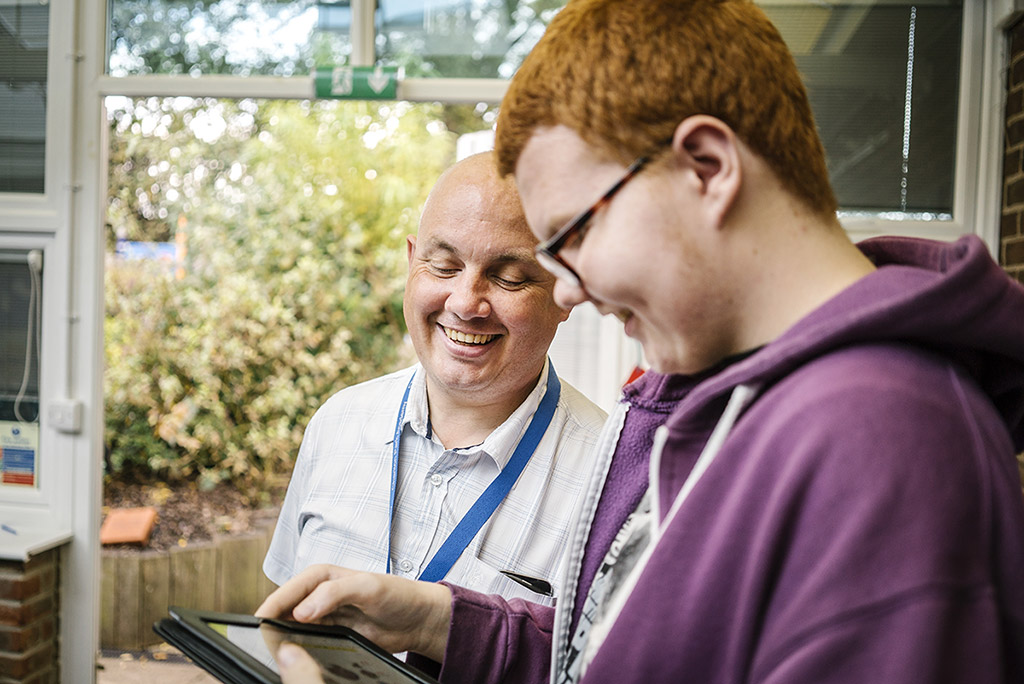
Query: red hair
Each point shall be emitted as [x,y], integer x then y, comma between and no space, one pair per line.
[623,74]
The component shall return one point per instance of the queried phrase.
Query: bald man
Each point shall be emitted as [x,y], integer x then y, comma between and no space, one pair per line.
[471,465]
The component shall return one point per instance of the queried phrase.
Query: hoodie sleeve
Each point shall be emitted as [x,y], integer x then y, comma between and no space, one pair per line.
[492,640]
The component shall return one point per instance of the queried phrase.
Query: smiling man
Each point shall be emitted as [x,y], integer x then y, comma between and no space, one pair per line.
[470,465]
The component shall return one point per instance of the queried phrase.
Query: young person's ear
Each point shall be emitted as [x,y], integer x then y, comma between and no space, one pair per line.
[709,150]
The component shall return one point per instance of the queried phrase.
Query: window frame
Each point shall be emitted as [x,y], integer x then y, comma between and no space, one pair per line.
[976,183]
[46,212]
[975,178]
[42,221]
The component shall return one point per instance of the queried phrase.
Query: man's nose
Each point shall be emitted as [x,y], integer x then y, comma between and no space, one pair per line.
[468,297]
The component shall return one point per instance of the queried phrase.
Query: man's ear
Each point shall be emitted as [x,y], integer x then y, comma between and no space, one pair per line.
[709,149]
[410,248]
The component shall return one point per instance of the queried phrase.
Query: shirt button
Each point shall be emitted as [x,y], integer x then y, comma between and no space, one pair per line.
[405,566]
[436,480]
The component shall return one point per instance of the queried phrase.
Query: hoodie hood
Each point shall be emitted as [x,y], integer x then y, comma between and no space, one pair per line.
[950,298]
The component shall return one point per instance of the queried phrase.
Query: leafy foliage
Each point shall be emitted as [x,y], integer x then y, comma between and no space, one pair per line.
[295,215]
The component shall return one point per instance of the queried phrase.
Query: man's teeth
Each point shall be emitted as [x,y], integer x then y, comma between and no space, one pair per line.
[467,338]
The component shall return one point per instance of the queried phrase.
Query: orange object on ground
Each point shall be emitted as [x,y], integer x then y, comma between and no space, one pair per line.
[128,526]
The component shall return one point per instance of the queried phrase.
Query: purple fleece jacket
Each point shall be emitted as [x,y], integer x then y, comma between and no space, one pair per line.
[862,522]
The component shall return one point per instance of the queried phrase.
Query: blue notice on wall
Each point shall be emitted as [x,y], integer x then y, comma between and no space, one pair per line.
[19,452]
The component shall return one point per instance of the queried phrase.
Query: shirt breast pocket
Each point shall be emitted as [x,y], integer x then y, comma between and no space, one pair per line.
[477,575]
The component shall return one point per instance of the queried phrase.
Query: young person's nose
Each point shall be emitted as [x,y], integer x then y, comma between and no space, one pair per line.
[567,294]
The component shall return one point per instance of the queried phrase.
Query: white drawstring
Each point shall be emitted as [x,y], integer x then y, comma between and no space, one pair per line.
[741,397]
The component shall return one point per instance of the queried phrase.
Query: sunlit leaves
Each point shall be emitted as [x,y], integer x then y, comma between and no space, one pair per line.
[295,230]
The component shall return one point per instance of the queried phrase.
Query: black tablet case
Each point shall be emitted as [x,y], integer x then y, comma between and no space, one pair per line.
[233,670]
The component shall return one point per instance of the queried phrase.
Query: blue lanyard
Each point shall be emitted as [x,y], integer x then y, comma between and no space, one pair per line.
[495,493]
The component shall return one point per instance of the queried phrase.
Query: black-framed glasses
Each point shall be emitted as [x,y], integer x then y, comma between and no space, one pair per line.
[547,251]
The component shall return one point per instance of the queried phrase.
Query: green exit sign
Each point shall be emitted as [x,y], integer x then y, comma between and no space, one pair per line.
[357,83]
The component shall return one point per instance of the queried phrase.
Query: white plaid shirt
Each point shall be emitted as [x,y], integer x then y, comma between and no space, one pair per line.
[336,508]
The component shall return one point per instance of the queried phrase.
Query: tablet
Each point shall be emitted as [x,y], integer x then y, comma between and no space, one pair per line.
[240,649]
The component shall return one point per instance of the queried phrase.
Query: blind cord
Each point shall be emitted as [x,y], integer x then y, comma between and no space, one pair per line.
[35,266]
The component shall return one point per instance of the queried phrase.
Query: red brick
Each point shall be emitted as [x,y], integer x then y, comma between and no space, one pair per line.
[1011,162]
[1013,253]
[1014,102]
[21,639]
[37,562]
[22,665]
[1016,71]
[19,614]
[1014,193]
[47,676]
[19,589]
[1009,225]
[1015,133]
[1017,39]
[28,620]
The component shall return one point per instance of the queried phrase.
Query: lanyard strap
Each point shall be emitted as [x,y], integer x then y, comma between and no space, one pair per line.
[495,493]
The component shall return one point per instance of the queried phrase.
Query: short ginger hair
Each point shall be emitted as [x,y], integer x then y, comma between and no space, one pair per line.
[623,74]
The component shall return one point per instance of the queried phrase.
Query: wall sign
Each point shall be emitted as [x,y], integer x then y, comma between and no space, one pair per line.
[19,453]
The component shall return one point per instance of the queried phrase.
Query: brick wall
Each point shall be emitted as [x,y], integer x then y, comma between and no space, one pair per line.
[28,620]
[1011,252]
[1011,232]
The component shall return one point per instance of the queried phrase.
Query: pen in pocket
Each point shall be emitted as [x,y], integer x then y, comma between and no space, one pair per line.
[534,584]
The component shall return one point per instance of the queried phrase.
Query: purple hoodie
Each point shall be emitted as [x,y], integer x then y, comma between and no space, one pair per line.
[860,521]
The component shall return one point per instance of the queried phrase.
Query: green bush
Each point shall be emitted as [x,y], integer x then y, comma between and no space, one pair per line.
[291,290]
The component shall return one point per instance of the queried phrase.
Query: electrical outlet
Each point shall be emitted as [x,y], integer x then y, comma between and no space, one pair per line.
[65,415]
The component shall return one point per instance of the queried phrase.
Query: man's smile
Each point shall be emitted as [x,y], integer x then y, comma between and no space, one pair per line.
[467,338]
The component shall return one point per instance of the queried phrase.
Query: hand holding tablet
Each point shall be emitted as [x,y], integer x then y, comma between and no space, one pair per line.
[395,613]
[242,649]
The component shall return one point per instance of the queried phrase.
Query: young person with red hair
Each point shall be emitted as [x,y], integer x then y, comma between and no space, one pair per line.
[835,498]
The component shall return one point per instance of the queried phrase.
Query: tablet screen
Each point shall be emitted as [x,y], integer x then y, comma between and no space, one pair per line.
[341,660]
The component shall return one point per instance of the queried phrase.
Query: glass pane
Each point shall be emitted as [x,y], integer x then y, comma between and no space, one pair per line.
[197,37]
[20,297]
[883,77]
[460,38]
[883,81]
[24,35]
[451,38]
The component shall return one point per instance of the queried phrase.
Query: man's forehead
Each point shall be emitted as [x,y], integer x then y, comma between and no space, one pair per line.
[495,249]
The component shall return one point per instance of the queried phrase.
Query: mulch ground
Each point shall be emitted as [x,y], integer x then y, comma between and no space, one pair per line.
[187,515]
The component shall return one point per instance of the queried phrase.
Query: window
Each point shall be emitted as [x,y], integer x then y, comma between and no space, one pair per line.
[447,38]
[883,80]
[460,38]
[24,29]
[20,301]
[883,77]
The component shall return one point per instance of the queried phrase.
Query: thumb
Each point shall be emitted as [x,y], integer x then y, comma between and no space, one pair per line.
[297,666]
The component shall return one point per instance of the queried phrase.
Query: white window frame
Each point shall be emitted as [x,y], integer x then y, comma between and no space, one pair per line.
[41,221]
[977,182]
[975,178]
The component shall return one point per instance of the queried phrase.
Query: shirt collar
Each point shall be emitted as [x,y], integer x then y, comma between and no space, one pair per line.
[502,441]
